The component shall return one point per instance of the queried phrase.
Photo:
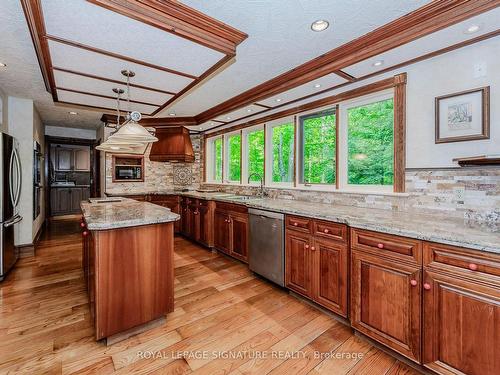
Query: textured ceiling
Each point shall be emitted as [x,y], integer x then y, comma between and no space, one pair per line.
[22,76]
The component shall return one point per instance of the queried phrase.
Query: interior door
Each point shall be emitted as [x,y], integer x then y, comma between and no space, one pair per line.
[461,326]
[386,302]
[298,262]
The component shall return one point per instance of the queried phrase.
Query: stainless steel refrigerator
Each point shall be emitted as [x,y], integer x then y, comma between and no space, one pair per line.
[10,191]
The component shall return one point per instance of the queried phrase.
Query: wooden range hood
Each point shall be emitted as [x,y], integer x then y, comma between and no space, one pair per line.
[174,144]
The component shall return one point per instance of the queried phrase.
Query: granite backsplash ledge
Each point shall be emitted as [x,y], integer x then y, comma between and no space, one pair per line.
[467,193]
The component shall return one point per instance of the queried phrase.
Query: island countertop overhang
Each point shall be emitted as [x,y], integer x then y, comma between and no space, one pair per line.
[118,212]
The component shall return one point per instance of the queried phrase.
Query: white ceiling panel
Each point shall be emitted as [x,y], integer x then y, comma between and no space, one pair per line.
[280,38]
[83,22]
[457,33]
[242,112]
[95,101]
[80,60]
[330,80]
[97,86]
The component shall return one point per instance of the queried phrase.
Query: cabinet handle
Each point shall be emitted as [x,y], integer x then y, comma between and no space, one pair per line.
[306,246]
[326,231]
[472,266]
[82,224]
[380,245]
[295,224]
[413,282]
[427,286]
[85,233]
[313,248]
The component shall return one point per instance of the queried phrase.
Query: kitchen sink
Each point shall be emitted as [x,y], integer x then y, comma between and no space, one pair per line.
[243,197]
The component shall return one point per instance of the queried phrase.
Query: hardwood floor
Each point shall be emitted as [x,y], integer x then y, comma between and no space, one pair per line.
[226,321]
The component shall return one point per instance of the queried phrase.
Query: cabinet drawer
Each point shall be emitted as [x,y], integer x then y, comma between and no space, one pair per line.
[231,207]
[464,261]
[330,230]
[299,223]
[401,248]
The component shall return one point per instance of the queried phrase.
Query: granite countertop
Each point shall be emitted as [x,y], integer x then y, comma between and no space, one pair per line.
[109,214]
[436,228]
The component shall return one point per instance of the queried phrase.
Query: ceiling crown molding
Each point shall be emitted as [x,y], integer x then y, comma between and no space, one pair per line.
[179,19]
[426,20]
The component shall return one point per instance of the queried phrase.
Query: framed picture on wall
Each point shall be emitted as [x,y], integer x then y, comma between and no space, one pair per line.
[463,116]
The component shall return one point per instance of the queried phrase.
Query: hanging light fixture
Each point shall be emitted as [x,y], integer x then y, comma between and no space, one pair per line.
[130,137]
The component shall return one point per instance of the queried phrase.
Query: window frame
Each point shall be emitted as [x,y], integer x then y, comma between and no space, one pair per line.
[225,158]
[268,166]
[210,160]
[343,141]
[299,151]
[244,154]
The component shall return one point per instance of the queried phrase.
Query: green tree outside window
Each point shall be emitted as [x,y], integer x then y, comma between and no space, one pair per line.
[282,153]
[217,149]
[234,158]
[255,161]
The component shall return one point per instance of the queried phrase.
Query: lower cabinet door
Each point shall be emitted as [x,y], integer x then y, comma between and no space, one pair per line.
[298,262]
[330,275]
[239,232]
[461,326]
[386,302]
[221,231]
[184,226]
[204,226]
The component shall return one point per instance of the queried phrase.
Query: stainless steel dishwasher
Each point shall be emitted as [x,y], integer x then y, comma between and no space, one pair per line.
[267,248]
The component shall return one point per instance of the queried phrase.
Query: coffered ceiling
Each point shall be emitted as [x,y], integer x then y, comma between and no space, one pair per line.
[217,62]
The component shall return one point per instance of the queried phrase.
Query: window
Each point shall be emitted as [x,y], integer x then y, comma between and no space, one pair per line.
[281,146]
[317,148]
[214,156]
[368,128]
[254,155]
[233,143]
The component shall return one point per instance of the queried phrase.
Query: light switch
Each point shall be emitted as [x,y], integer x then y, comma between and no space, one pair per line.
[480,70]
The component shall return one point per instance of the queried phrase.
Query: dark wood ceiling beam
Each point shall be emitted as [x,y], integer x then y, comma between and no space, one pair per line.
[112,80]
[427,19]
[117,56]
[181,20]
[105,96]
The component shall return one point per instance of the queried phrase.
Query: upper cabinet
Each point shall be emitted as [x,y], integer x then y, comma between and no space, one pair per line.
[71,159]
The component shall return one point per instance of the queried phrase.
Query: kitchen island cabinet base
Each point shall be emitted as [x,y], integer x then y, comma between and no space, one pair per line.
[130,273]
[111,340]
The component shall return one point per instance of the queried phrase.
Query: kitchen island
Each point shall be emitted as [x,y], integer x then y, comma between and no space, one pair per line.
[128,265]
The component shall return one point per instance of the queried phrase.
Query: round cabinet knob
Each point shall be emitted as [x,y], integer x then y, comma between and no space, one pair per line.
[313,248]
[326,231]
[380,245]
[82,224]
[427,286]
[85,233]
[472,266]
[295,224]
[413,282]
[306,246]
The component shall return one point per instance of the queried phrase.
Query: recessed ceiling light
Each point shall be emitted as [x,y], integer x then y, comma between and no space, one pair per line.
[201,127]
[319,25]
[249,110]
[171,114]
[73,113]
[378,63]
[228,118]
[278,100]
[212,123]
[472,29]
[317,86]
[2,65]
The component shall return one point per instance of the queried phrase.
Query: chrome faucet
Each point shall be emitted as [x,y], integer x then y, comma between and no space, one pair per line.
[262,192]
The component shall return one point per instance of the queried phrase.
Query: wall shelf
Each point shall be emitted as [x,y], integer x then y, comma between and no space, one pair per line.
[478,160]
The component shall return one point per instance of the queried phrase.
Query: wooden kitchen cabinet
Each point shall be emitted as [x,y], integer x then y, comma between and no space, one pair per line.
[205,223]
[171,202]
[81,159]
[231,230]
[298,265]
[64,159]
[316,256]
[461,311]
[65,201]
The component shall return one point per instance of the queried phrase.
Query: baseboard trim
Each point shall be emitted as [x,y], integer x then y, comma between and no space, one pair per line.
[26,250]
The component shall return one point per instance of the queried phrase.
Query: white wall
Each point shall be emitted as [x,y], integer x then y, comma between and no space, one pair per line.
[446,74]
[57,131]
[20,126]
